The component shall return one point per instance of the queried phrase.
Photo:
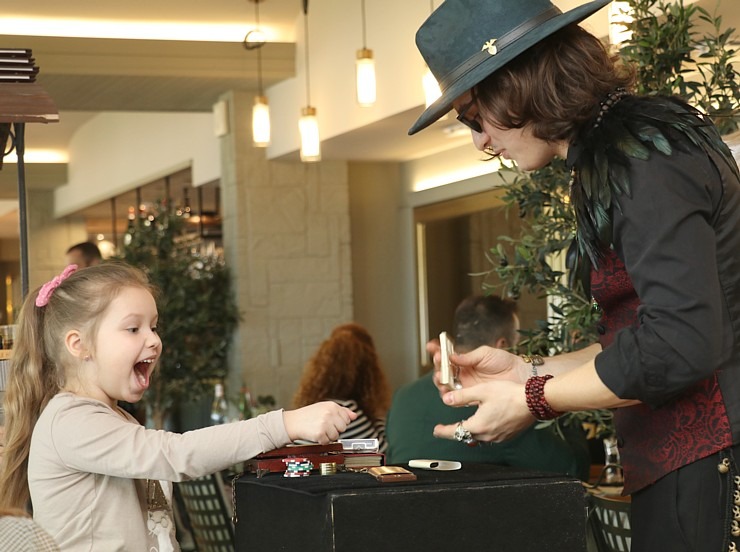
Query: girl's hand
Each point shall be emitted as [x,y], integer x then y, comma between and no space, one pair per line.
[320,422]
[502,411]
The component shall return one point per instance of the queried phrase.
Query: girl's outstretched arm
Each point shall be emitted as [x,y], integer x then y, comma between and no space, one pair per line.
[321,422]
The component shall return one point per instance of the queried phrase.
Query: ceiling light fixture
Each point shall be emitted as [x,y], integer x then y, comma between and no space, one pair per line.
[620,15]
[431,88]
[136,30]
[255,40]
[308,125]
[428,83]
[365,69]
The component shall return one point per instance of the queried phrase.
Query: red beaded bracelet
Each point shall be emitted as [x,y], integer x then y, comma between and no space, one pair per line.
[534,390]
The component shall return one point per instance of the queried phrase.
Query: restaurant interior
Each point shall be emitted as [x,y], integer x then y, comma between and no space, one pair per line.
[146,113]
[155,104]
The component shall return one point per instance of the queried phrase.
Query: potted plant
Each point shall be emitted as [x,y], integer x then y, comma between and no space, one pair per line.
[197,312]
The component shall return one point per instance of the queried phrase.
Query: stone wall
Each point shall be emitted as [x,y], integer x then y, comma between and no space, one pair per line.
[287,241]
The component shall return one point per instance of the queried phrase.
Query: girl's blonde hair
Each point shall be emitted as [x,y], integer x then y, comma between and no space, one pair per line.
[346,367]
[40,358]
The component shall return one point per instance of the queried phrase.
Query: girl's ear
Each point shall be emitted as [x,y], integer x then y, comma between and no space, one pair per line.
[73,342]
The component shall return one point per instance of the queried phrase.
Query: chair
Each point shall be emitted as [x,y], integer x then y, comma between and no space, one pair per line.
[609,521]
[208,513]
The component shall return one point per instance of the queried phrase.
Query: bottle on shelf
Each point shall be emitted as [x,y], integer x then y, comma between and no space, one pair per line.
[245,403]
[219,408]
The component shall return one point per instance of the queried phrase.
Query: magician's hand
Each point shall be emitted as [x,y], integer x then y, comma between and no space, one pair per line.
[481,365]
[502,411]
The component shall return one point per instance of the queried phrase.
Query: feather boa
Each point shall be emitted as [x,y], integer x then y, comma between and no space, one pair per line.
[634,127]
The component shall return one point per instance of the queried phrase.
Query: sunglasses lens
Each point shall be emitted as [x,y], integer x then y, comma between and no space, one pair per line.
[472,124]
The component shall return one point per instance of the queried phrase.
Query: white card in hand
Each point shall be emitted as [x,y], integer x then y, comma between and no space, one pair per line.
[446,377]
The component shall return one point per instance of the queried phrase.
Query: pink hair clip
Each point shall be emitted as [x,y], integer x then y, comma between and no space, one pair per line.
[42,299]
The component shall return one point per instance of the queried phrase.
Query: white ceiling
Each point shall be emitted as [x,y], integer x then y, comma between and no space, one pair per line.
[86,75]
[277,16]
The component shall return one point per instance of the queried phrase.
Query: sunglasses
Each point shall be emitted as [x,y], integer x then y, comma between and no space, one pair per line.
[472,124]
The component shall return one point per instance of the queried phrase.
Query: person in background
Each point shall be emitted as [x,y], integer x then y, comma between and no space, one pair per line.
[345,369]
[656,197]
[84,254]
[96,478]
[416,408]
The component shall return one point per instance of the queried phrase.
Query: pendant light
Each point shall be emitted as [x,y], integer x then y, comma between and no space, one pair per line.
[428,83]
[308,125]
[255,40]
[431,88]
[620,15]
[365,69]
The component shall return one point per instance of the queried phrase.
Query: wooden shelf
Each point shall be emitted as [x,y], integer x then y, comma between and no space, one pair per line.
[26,103]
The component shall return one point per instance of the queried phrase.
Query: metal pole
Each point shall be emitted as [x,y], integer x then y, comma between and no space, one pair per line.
[114,228]
[20,131]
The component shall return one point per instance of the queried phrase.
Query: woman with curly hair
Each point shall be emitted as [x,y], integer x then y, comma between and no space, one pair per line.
[345,369]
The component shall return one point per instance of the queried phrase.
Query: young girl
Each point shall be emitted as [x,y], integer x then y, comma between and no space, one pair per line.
[656,195]
[97,479]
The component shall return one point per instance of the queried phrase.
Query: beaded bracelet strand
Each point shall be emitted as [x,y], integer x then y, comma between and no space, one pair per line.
[534,390]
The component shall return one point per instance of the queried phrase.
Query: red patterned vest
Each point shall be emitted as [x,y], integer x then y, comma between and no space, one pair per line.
[655,441]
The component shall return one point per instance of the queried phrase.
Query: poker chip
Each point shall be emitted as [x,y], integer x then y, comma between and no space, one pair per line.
[294,460]
[297,467]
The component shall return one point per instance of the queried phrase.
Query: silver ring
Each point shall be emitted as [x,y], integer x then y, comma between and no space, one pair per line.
[463,435]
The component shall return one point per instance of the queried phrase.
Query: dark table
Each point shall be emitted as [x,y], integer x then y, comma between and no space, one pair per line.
[480,508]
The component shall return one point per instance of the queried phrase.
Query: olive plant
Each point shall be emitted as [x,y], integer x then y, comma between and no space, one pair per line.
[197,312]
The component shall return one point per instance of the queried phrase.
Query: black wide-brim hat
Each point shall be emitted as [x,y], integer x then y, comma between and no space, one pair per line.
[464,41]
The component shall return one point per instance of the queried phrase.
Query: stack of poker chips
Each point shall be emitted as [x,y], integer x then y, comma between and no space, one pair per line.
[328,468]
[297,467]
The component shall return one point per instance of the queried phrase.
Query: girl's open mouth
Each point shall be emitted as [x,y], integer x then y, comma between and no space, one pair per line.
[142,370]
